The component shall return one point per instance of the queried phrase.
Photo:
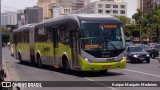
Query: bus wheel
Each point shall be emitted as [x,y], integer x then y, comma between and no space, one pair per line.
[66,67]
[20,58]
[39,62]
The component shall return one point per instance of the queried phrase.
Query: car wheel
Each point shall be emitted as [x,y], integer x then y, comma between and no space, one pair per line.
[148,61]
[153,57]
[131,61]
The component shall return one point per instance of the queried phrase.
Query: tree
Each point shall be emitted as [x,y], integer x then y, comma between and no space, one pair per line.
[124,20]
[137,16]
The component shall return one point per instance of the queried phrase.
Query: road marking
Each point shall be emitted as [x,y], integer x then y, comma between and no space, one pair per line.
[149,74]
[100,83]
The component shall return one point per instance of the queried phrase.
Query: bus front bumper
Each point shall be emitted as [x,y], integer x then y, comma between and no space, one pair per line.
[86,66]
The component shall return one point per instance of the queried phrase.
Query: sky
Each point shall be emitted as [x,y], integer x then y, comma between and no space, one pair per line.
[14,5]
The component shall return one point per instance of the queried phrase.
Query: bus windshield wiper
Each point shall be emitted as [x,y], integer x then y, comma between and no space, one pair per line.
[106,40]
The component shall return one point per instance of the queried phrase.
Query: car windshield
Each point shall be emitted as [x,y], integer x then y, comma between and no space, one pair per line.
[129,43]
[136,49]
[157,46]
[146,47]
[102,36]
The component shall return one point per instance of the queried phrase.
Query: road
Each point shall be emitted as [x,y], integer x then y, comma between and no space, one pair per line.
[133,72]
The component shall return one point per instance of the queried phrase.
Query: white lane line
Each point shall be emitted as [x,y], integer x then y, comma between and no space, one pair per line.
[149,74]
[100,83]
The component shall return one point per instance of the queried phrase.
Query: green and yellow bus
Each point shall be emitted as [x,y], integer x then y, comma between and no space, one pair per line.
[85,42]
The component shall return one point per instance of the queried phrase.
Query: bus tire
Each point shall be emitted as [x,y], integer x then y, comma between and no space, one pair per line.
[66,66]
[39,62]
[20,58]
[67,69]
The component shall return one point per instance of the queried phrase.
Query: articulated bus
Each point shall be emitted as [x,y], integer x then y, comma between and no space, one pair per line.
[83,42]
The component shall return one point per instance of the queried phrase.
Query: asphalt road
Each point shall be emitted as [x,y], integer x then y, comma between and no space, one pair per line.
[133,72]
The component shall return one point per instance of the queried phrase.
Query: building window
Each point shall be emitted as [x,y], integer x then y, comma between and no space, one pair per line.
[100,11]
[122,6]
[122,12]
[115,11]
[108,6]
[115,6]
[108,11]
[100,5]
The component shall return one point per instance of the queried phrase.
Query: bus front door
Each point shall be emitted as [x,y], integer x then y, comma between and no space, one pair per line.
[75,49]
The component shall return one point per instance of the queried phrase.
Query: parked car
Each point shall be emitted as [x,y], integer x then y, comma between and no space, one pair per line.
[129,43]
[137,54]
[155,51]
[151,45]
[145,47]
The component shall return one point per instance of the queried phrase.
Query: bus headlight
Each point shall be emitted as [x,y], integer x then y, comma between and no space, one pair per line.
[86,59]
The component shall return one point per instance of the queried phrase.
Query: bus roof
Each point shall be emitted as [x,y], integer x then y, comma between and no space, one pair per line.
[24,27]
[83,17]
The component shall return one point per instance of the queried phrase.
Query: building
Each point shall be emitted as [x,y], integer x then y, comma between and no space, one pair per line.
[139,4]
[147,5]
[156,3]
[45,5]
[62,7]
[33,15]
[9,18]
[108,7]
[20,18]
[86,2]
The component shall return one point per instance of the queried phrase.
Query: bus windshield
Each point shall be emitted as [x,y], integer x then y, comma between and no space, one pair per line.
[108,36]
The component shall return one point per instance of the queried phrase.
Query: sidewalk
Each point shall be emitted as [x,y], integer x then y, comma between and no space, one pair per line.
[10,71]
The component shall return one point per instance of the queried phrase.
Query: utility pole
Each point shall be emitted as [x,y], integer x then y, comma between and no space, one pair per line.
[0,40]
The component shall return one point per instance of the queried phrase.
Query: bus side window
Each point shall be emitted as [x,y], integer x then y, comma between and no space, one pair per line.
[62,33]
[42,35]
[49,35]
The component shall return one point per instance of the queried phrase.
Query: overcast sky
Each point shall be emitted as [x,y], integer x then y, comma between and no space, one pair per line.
[14,5]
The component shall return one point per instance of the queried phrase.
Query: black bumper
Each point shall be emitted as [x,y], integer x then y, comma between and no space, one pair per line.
[140,59]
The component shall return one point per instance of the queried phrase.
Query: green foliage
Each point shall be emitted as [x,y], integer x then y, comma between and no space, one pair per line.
[124,20]
[149,22]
